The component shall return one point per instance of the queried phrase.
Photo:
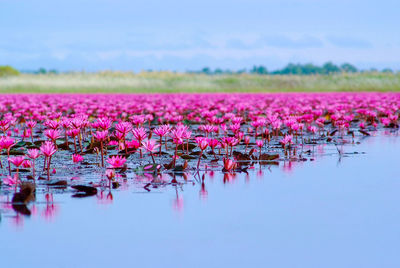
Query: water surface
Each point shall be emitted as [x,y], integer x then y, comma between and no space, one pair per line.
[335,211]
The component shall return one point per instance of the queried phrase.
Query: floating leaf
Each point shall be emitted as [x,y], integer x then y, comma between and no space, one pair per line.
[63,146]
[170,165]
[20,144]
[333,132]
[115,184]
[185,156]
[275,163]
[365,133]
[60,183]
[85,190]
[268,157]
[183,147]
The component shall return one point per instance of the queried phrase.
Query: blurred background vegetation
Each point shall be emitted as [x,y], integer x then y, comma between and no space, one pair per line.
[7,70]
[293,77]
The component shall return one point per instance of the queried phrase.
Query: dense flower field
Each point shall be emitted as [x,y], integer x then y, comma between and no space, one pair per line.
[54,139]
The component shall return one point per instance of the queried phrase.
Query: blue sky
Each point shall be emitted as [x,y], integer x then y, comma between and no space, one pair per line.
[188,35]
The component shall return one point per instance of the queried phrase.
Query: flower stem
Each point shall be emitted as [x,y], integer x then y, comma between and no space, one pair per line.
[198,163]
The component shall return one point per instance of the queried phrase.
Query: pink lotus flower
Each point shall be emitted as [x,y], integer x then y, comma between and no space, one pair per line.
[73,132]
[6,142]
[11,180]
[27,133]
[66,123]
[133,144]
[213,143]
[4,125]
[113,143]
[48,148]
[150,145]
[235,127]
[17,160]
[177,135]
[230,141]
[138,119]
[139,133]
[103,123]
[313,129]
[31,124]
[123,127]
[33,153]
[161,131]
[53,124]
[286,140]
[259,143]
[229,164]
[116,161]
[52,134]
[101,135]
[76,158]
[26,164]
[110,174]
[202,142]
[119,135]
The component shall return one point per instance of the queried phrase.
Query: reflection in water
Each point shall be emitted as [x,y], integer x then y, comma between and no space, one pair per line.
[17,220]
[17,206]
[105,197]
[229,177]
[260,173]
[203,191]
[177,204]
[23,197]
[50,210]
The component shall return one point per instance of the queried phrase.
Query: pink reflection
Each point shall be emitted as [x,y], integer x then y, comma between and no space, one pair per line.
[34,210]
[247,178]
[6,203]
[51,209]
[17,221]
[177,204]
[229,177]
[203,193]
[288,167]
[321,149]
[260,173]
[105,198]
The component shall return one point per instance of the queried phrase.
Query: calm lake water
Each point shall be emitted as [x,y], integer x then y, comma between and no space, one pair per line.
[331,212]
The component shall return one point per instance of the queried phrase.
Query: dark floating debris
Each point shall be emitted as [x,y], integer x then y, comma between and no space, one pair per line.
[84,191]
[60,183]
[365,133]
[23,197]
[268,157]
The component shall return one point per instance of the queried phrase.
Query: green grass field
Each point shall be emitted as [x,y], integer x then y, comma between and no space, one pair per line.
[151,82]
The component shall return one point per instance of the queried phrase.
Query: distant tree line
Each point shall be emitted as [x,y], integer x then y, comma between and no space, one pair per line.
[296,69]
[43,71]
[291,68]
[7,70]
